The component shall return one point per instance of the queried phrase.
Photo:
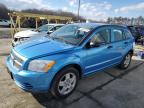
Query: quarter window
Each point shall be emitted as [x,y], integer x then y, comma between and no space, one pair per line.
[118,35]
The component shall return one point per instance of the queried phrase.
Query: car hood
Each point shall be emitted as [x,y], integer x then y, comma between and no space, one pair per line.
[41,46]
[26,33]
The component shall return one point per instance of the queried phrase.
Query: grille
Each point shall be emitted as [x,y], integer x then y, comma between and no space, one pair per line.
[16,61]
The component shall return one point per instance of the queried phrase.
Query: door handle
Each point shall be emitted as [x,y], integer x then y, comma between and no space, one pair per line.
[125,42]
[109,47]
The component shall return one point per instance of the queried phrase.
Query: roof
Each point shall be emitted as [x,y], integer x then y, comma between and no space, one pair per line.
[54,24]
[94,25]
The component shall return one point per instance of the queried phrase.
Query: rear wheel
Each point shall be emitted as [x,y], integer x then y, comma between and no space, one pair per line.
[126,61]
[65,82]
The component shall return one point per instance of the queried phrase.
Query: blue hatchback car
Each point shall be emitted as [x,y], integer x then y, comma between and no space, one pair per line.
[56,62]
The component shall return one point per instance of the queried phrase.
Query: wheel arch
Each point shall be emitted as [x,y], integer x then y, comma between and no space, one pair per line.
[76,66]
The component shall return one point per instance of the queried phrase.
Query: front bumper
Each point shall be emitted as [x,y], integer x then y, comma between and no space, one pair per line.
[28,80]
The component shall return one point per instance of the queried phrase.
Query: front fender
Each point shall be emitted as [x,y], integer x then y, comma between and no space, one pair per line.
[68,60]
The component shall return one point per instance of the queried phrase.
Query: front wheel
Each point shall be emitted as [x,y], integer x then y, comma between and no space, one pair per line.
[65,82]
[126,61]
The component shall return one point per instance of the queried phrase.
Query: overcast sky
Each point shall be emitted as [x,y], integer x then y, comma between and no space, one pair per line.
[91,9]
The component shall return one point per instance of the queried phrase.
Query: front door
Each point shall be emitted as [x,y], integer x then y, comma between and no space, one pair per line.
[100,54]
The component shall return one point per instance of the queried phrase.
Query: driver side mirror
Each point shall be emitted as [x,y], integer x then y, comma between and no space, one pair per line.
[92,44]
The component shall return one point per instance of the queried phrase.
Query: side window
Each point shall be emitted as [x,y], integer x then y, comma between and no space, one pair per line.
[102,36]
[117,35]
[127,34]
[57,27]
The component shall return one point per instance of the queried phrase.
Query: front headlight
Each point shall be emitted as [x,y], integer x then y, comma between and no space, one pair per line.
[40,65]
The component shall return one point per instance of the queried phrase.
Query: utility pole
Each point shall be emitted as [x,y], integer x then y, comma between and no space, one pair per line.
[78,10]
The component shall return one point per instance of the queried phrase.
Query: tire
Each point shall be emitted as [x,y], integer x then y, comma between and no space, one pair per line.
[65,82]
[126,61]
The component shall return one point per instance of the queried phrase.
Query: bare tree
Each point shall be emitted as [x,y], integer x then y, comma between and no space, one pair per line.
[127,21]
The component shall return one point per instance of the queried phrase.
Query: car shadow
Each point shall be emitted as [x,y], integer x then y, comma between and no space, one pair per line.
[47,100]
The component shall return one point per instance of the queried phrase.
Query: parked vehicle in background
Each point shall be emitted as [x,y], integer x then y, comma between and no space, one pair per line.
[55,63]
[41,31]
[137,32]
[4,23]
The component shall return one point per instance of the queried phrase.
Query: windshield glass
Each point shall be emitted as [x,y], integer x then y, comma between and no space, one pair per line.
[71,33]
[44,28]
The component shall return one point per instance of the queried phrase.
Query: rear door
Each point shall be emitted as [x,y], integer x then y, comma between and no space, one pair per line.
[118,42]
[128,42]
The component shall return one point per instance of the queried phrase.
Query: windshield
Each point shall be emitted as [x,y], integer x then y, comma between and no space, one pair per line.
[45,28]
[71,33]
